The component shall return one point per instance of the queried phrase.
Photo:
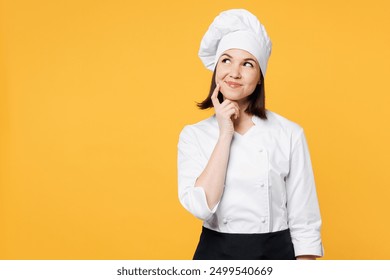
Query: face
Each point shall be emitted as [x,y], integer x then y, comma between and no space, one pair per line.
[238,74]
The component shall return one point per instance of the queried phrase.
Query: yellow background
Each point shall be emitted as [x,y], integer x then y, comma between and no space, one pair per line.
[95,93]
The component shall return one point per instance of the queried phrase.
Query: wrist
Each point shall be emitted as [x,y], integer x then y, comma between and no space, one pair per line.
[225,137]
[306,257]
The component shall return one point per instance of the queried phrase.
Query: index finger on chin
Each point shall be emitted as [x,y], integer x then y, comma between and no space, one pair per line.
[214,96]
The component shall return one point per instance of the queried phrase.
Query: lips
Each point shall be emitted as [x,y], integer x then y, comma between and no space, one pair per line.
[233,84]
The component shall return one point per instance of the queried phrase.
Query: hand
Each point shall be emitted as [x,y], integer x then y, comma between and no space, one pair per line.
[224,112]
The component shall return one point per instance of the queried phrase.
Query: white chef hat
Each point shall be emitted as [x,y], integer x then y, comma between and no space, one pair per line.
[235,29]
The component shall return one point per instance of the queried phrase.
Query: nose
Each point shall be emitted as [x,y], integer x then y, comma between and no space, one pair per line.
[235,71]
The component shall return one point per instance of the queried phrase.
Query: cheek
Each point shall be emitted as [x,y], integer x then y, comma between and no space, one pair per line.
[219,78]
[221,72]
[217,75]
[253,80]
[251,84]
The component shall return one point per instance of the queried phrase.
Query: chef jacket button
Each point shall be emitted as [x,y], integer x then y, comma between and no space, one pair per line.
[225,221]
[262,185]
[260,150]
[263,220]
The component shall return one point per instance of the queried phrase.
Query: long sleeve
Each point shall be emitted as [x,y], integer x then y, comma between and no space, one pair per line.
[190,166]
[302,205]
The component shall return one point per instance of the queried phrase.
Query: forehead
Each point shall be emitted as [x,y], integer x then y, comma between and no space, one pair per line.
[239,54]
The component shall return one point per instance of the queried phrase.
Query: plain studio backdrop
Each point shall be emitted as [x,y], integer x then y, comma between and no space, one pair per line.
[94,94]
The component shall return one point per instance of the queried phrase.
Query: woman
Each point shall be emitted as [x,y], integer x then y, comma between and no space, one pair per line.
[246,171]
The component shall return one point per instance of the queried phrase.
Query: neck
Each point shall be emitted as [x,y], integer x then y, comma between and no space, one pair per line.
[244,119]
[243,104]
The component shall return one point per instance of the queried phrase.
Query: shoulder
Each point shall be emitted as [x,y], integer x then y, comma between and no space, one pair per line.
[203,126]
[291,130]
[276,121]
[282,128]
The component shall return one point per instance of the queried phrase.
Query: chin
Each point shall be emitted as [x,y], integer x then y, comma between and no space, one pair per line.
[232,96]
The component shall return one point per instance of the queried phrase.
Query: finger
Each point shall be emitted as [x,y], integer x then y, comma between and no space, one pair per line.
[234,105]
[226,103]
[237,114]
[234,102]
[231,111]
[237,107]
[214,96]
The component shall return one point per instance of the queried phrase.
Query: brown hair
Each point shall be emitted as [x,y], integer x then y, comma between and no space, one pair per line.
[256,99]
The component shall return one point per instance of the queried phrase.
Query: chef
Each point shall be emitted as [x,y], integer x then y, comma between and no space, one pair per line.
[246,171]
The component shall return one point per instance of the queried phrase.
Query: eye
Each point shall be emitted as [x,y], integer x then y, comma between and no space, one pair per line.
[248,64]
[225,60]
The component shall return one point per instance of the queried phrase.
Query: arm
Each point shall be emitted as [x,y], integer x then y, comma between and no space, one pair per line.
[302,205]
[212,179]
[201,188]
[308,257]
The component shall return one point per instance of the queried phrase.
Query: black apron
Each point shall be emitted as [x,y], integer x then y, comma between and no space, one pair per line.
[214,245]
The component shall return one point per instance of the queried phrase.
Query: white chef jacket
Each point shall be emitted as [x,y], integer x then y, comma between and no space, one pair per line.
[269,183]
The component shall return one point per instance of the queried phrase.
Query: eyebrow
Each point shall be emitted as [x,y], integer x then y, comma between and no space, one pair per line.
[245,59]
